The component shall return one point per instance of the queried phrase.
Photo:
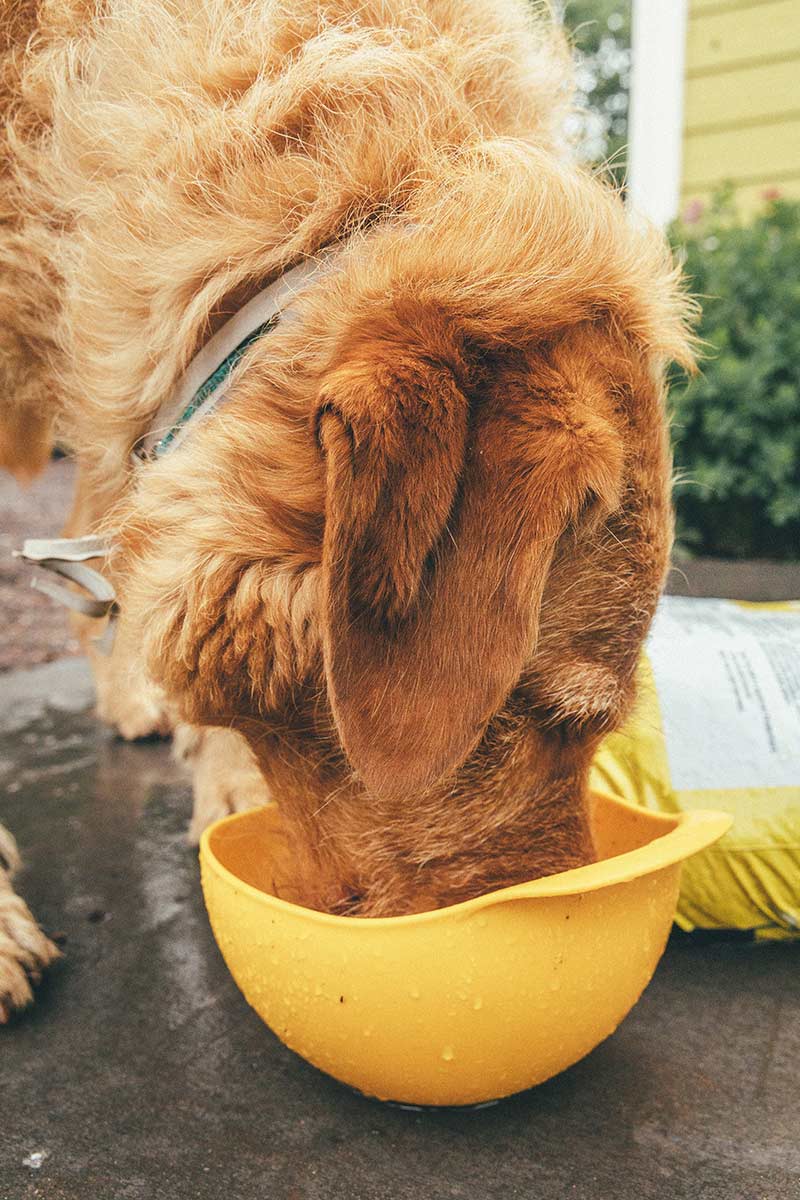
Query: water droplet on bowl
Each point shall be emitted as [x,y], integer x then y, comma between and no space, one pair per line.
[477,1003]
[447,1054]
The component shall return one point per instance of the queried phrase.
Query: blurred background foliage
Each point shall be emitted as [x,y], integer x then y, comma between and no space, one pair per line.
[736,425]
[600,31]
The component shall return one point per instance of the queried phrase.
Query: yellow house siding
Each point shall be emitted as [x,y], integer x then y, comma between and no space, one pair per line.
[742,99]
[701,7]
[730,37]
[755,95]
[749,198]
[763,153]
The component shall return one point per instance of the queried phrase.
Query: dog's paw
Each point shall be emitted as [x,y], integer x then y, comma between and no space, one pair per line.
[24,952]
[135,712]
[226,777]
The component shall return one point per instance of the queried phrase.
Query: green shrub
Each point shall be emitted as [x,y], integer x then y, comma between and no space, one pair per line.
[736,427]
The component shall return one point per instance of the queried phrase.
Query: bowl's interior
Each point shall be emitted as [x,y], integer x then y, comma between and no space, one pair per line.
[252,846]
[617,827]
[255,850]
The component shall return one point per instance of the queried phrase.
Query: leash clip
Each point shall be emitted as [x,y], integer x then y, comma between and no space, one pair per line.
[67,557]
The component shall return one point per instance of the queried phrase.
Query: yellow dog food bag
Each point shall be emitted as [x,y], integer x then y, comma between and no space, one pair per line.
[717,725]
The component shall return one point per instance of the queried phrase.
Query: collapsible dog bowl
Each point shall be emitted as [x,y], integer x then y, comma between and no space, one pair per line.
[463,1004]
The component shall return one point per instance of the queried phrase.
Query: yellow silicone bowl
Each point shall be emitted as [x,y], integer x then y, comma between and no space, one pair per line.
[463,1004]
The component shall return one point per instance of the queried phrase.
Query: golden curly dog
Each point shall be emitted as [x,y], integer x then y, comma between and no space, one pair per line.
[401,578]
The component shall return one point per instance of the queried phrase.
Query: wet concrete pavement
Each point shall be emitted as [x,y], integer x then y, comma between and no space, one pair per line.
[141,1074]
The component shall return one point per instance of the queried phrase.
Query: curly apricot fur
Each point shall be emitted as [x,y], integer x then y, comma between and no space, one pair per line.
[414,557]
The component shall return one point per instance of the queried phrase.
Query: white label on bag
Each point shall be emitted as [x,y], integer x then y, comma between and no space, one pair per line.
[728,683]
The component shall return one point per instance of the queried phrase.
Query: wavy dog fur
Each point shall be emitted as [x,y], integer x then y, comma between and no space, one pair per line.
[413,558]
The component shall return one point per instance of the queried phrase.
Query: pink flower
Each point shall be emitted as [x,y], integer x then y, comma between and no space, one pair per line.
[693,212]
[771,193]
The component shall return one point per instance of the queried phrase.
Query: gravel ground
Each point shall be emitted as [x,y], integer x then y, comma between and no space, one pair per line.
[33,629]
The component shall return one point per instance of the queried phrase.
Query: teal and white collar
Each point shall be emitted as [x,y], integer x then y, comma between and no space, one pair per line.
[199,390]
[206,380]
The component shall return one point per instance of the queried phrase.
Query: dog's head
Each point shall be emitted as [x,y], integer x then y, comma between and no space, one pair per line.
[450,479]
[445,481]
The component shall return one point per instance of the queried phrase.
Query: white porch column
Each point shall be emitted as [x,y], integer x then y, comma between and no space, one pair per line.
[656,107]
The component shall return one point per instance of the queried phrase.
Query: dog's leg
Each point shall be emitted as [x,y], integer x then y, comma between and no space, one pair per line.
[225,774]
[24,949]
[126,699]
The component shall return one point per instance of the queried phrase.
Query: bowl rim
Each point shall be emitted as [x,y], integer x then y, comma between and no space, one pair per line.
[684,834]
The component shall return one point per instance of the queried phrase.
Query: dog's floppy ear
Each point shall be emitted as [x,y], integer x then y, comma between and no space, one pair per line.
[441,520]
